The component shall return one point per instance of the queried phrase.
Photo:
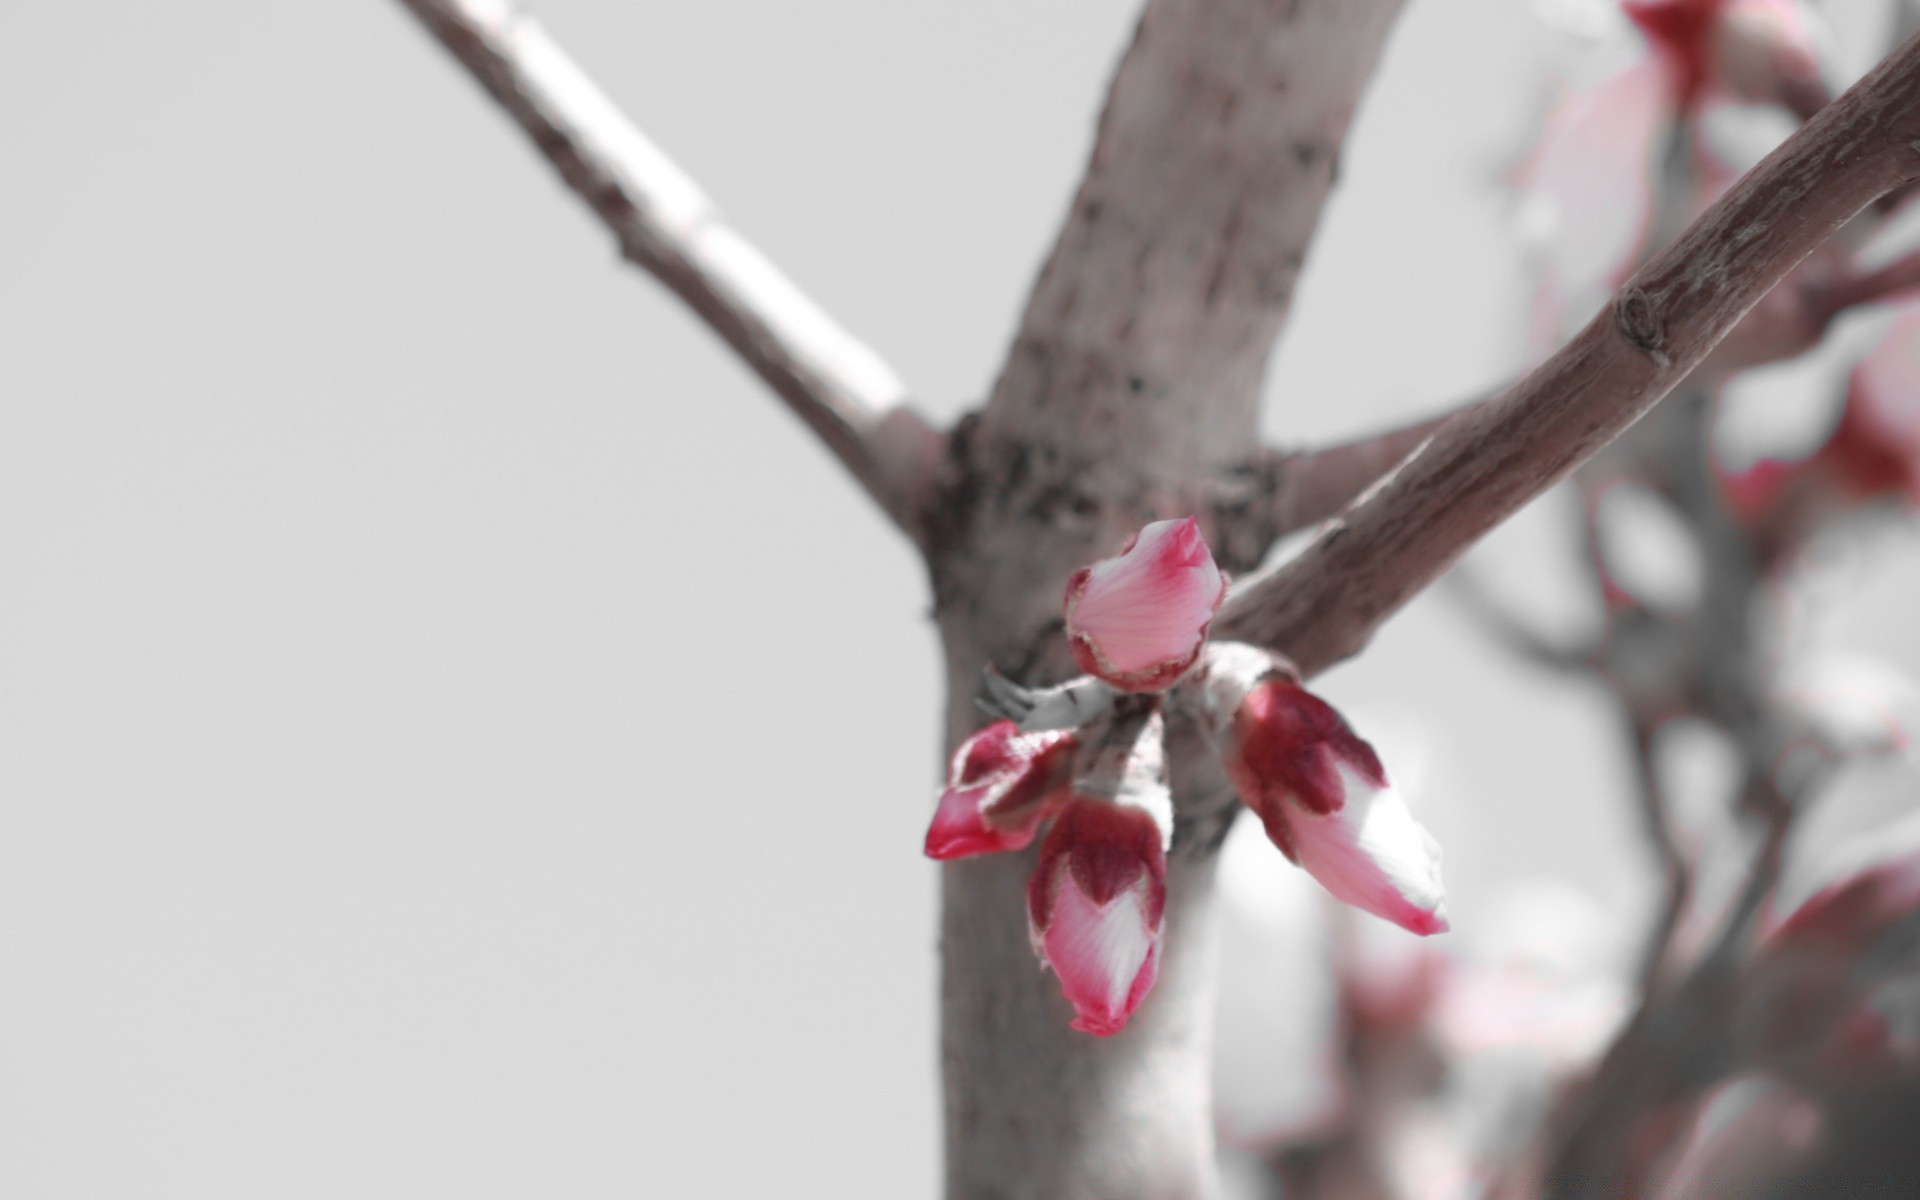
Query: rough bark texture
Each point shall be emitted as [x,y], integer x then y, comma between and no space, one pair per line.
[1132,385]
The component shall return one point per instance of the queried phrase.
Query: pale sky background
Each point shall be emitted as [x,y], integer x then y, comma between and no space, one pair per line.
[458,735]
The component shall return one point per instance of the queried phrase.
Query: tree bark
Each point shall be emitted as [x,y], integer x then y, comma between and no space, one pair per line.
[1132,385]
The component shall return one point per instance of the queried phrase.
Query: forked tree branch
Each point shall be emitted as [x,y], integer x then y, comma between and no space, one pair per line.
[1325,605]
[1276,492]
[1317,484]
[666,225]
[1280,491]
[1146,335]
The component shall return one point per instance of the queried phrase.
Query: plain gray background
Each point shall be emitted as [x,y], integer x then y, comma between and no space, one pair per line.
[458,735]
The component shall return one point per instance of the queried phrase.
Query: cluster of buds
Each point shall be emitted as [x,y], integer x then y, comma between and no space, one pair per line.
[1089,757]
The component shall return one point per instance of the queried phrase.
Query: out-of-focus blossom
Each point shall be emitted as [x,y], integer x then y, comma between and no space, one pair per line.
[1000,785]
[1526,1006]
[1873,453]
[1095,906]
[1755,51]
[1823,985]
[1851,704]
[1321,792]
[1138,620]
[1539,982]
[1875,448]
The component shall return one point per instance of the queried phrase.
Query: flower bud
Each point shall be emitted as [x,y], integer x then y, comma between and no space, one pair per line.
[1322,793]
[1138,620]
[1000,786]
[1767,52]
[1756,51]
[1095,905]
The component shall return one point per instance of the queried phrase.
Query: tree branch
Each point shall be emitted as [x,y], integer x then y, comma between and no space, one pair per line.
[1656,812]
[1278,491]
[666,225]
[1149,328]
[1793,318]
[1479,470]
[1275,492]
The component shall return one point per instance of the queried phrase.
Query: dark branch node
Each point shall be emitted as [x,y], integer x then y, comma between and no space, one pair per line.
[1639,320]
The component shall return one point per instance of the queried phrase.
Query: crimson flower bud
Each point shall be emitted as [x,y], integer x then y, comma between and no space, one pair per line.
[1001,785]
[1095,905]
[1757,51]
[1138,620]
[1321,792]
[1681,32]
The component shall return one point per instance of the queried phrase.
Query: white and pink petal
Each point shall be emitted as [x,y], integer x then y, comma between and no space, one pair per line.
[1372,854]
[1001,784]
[1139,620]
[1320,790]
[1095,908]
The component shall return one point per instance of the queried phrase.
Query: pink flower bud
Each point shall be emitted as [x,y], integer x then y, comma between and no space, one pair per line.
[1681,32]
[1325,800]
[1588,194]
[1000,786]
[1095,905]
[1766,52]
[1756,51]
[1138,620]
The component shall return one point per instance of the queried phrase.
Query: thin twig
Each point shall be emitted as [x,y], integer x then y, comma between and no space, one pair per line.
[1900,275]
[1657,814]
[1778,810]
[666,225]
[1477,471]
